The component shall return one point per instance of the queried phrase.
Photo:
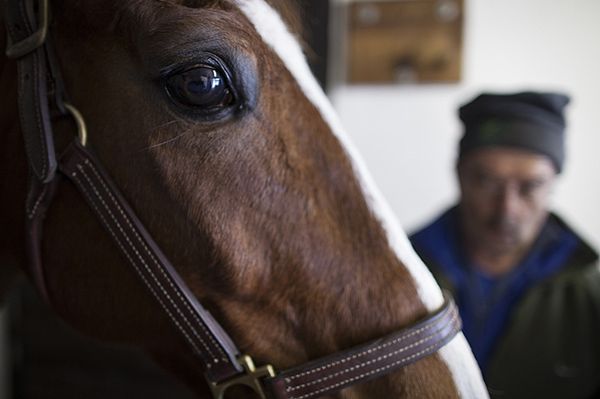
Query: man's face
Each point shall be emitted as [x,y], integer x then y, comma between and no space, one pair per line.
[504,198]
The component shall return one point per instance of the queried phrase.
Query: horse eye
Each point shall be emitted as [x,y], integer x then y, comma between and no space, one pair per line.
[201,87]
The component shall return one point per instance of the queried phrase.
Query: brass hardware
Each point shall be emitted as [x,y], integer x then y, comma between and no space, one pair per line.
[37,38]
[81,128]
[251,379]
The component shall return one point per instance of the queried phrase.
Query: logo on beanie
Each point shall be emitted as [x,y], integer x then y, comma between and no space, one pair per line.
[490,130]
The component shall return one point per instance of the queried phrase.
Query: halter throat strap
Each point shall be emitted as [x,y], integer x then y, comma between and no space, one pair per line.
[40,89]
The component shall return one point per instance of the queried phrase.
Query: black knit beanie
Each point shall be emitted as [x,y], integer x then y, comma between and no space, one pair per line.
[528,120]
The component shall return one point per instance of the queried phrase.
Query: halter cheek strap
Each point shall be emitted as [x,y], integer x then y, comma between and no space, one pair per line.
[40,85]
[223,364]
[203,334]
[27,30]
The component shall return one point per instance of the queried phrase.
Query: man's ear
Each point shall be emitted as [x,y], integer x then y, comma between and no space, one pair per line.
[458,168]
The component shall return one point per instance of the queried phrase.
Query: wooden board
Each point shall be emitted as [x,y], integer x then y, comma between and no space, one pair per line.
[415,41]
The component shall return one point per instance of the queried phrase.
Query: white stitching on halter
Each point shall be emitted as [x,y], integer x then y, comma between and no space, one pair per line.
[141,259]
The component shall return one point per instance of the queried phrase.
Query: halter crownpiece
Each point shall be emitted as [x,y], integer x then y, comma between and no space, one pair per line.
[41,89]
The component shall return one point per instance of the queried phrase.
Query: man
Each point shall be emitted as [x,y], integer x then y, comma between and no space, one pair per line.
[527,286]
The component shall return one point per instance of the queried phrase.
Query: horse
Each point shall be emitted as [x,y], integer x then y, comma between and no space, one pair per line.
[206,117]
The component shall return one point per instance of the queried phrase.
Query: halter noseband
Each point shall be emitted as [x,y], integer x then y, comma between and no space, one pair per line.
[41,89]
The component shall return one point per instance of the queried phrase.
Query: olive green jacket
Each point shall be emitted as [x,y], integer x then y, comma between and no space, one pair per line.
[551,346]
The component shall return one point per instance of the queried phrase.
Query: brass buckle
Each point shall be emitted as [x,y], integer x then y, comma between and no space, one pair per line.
[251,379]
[36,39]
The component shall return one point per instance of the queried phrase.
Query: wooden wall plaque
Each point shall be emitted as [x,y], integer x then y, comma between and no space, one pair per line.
[407,41]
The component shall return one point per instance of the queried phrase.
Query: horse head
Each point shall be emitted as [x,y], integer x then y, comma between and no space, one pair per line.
[206,116]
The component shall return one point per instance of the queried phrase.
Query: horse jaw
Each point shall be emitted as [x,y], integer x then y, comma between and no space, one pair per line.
[456,355]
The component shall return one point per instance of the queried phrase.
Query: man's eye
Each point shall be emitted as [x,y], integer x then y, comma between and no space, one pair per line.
[201,87]
[530,188]
[486,182]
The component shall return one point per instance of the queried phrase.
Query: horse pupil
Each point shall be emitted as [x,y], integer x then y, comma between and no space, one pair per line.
[202,80]
[201,87]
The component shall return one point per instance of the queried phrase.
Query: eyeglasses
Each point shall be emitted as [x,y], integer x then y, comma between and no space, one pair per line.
[493,186]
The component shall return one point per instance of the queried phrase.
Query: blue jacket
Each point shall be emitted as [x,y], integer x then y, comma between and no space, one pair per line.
[535,331]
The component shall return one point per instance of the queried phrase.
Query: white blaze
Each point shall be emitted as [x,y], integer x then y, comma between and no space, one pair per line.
[275,33]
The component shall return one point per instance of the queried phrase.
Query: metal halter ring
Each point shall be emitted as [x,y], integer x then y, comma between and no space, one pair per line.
[81,128]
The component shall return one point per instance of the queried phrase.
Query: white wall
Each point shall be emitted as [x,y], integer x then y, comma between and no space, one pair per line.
[408,134]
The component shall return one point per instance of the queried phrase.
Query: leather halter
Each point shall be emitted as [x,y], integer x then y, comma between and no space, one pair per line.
[40,90]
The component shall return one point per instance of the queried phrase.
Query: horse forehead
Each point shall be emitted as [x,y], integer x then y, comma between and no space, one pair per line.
[288,10]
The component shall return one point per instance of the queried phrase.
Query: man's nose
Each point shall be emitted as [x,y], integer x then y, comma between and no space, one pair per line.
[508,200]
